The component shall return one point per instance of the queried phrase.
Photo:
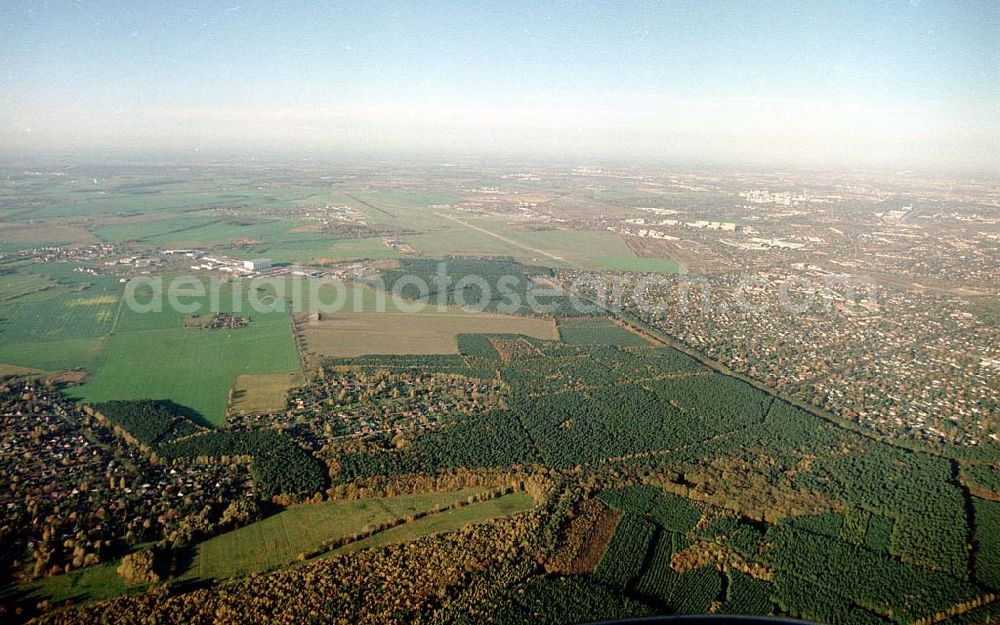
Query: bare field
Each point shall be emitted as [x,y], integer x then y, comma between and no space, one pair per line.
[44,233]
[6,370]
[263,392]
[346,335]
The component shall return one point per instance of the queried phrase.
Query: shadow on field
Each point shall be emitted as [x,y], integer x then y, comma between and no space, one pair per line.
[188,413]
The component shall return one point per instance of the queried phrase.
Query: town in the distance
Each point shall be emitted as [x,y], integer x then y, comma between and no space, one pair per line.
[481,392]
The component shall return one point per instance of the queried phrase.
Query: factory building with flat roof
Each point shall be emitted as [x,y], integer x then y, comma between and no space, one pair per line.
[257,264]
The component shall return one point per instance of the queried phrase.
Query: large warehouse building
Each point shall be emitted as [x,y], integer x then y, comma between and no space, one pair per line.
[257,264]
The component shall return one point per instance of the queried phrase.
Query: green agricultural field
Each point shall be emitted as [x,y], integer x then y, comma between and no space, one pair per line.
[454,240]
[349,249]
[93,203]
[407,208]
[97,201]
[576,247]
[281,538]
[415,198]
[215,232]
[22,284]
[309,247]
[54,319]
[62,314]
[153,356]
[479,237]
[194,368]
[142,229]
[55,355]
[353,297]
[345,297]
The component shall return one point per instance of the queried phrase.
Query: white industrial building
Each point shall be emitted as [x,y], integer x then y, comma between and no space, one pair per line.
[257,264]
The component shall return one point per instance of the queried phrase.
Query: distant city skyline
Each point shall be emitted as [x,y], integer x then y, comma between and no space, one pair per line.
[825,84]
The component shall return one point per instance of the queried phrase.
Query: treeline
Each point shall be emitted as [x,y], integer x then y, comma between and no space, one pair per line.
[403,583]
[483,369]
[332,544]
[982,479]
[987,516]
[446,480]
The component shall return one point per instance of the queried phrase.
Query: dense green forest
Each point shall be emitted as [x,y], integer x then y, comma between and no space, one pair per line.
[278,465]
[150,422]
[784,499]
[716,496]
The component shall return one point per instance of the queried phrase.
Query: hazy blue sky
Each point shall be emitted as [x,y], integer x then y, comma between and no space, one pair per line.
[896,83]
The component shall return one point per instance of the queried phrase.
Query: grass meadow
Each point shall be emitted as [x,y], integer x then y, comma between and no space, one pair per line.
[446,521]
[92,583]
[263,392]
[279,539]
